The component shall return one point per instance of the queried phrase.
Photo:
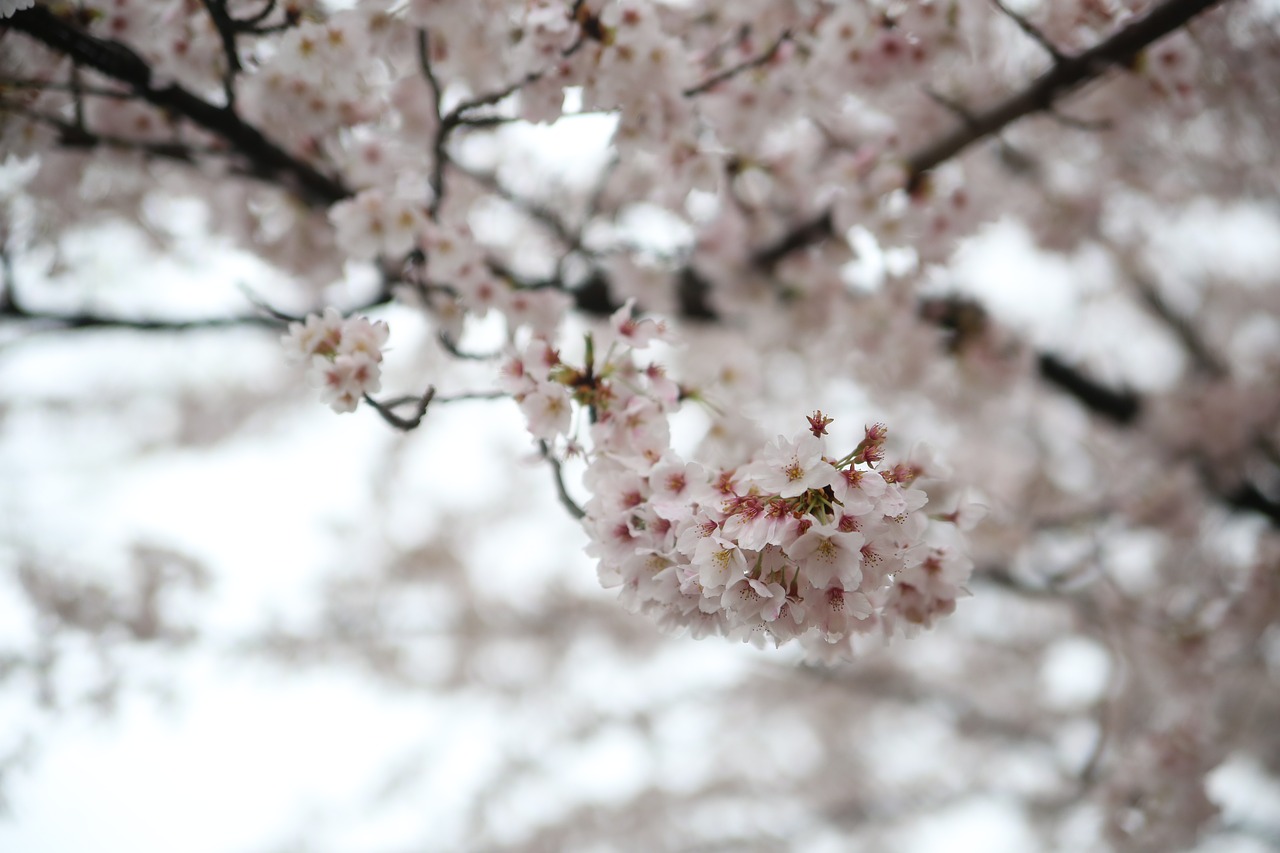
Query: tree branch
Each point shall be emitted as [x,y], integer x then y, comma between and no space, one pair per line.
[226,27]
[86,320]
[733,71]
[1249,497]
[410,423]
[1031,30]
[1120,407]
[118,62]
[74,135]
[563,493]
[1065,75]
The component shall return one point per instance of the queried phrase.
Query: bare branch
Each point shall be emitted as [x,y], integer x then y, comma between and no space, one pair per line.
[442,134]
[808,233]
[250,23]
[226,27]
[270,318]
[470,395]
[420,404]
[733,71]
[73,135]
[538,212]
[451,346]
[456,115]
[1201,356]
[265,307]
[86,320]
[73,88]
[1091,125]
[1031,30]
[1121,407]
[404,424]
[569,503]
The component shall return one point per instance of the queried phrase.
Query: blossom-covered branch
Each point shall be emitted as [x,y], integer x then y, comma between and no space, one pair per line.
[119,62]
[1066,74]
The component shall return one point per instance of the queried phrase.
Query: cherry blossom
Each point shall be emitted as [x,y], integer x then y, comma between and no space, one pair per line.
[343,355]
[660,234]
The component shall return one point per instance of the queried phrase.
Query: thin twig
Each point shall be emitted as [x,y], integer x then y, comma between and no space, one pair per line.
[451,346]
[404,424]
[1032,30]
[950,104]
[73,88]
[78,137]
[227,30]
[250,23]
[1091,125]
[456,115]
[558,474]
[265,307]
[538,212]
[733,71]
[1202,357]
[397,402]
[439,153]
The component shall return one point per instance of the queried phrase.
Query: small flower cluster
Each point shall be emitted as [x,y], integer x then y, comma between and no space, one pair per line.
[373,223]
[794,543]
[343,355]
[790,543]
[628,403]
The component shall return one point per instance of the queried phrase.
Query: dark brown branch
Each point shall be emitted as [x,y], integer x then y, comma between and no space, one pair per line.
[1249,497]
[457,115]
[460,116]
[71,88]
[536,211]
[963,320]
[1202,357]
[251,23]
[1089,125]
[808,233]
[451,346]
[470,395]
[118,62]
[439,155]
[269,318]
[385,408]
[84,320]
[73,135]
[733,71]
[1120,407]
[1067,74]
[563,493]
[410,423]
[1031,30]
[226,27]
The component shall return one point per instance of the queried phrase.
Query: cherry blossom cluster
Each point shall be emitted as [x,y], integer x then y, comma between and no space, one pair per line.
[793,542]
[343,355]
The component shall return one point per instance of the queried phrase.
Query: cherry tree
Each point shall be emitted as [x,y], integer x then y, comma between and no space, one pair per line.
[787,244]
